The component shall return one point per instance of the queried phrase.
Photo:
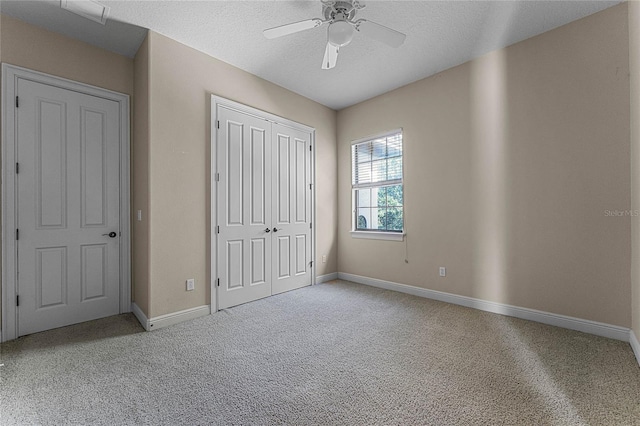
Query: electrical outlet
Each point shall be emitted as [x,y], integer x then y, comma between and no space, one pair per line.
[139,215]
[191,284]
[324,258]
[443,271]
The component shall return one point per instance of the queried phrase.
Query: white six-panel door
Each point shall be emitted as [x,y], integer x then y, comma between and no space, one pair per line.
[67,204]
[263,207]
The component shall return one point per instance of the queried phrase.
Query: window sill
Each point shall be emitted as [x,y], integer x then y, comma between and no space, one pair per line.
[372,235]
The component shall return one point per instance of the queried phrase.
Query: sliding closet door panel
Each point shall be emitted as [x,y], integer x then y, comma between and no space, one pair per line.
[244,211]
[292,208]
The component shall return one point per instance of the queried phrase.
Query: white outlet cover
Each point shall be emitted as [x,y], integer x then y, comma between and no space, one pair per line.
[191,284]
[443,271]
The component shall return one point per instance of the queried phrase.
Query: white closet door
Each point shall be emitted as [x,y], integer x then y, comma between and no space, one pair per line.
[68,202]
[243,204]
[291,239]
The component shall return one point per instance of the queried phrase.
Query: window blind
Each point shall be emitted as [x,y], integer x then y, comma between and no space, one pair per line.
[377,162]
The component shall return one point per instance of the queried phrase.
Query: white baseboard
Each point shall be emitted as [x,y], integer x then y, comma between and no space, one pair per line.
[142,318]
[585,326]
[178,317]
[328,277]
[162,321]
[635,345]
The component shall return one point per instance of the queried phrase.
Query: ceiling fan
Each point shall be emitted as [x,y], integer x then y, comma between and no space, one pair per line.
[340,17]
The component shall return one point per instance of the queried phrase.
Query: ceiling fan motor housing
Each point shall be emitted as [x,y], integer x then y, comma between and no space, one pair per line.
[347,9]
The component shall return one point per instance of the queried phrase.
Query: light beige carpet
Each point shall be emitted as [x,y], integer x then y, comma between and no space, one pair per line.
[336,353]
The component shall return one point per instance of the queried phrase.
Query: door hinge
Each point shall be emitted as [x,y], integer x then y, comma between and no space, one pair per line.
[218,124]
[310,149]
[17,234]
[217,177]
[310,186]
[311,264]
[217,229]
[17,300]
[218,282]
[310,225]
[17,102]
[17,168]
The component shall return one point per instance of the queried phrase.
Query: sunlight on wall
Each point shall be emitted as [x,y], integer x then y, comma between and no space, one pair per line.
[488,122]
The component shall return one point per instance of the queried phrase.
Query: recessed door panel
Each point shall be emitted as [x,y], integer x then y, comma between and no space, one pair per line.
[284,260]
[51,277]
[258,261]
[300,181]
[235,264]
[258,176]
[235,176]
[283,182]
[302,259]
[93,146]
[51,164]
[94,271]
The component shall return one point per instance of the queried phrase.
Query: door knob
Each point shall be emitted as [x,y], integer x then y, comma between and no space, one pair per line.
[110,235]
[267,230]
[275,229]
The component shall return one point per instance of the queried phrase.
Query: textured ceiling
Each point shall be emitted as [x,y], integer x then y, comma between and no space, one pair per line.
[120,37]
[440,35]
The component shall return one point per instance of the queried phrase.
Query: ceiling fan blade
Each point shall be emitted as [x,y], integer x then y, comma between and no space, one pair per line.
[292,28]
[381,33]
[330,56]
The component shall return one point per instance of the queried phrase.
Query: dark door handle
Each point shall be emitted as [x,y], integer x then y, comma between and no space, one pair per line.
[267,230]
[110,234]
[275,229]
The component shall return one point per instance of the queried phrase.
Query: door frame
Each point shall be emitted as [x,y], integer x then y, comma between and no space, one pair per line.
[10,76]
[213,239]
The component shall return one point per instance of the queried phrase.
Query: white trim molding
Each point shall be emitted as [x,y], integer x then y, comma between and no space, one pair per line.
[585,326]
[635,345]
[173,318]
[142,318]
[10,76]
[328,277]
[378,235]
[178,317]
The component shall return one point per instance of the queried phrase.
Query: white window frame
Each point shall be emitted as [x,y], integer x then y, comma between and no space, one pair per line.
[373,234]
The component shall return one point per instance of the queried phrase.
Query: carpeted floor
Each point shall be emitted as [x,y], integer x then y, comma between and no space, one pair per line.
[335,353]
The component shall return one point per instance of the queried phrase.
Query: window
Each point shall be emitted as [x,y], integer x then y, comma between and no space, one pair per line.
[376,168]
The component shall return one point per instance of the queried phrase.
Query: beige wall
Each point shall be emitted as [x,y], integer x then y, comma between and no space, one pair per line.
[31,47]
[140,179]
[510,163]
[181,83]
[634,72]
